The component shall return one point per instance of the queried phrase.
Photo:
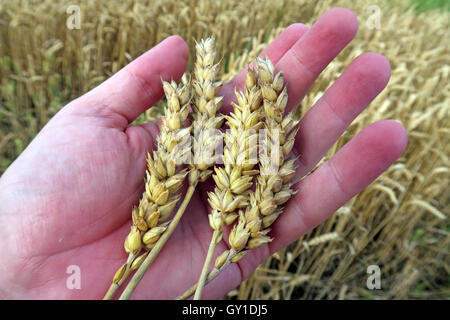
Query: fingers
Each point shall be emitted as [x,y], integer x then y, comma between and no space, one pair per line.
[138,86]
[274,51]
[325,122]
[347,173]
[315,50]
[303,60]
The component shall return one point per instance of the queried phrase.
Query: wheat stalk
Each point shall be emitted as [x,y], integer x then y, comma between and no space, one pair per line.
[235,179]
[204,120]
[273,186]
[163,180]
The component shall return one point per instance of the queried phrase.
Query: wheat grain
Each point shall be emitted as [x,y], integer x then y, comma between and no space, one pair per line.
[64,65]
[236,177]
[163,177]
[163,180]
[205,121]
[273,186]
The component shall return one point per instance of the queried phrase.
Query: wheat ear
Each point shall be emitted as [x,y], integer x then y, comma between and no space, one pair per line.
[235,179]
[163,179]
[204,117]
[274,184]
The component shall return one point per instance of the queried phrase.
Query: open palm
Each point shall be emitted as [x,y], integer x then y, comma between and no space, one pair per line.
[67,199]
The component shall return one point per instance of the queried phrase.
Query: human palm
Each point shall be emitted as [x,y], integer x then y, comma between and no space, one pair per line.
[67,199]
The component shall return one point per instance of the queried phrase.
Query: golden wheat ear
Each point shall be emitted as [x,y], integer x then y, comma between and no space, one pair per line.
[205,105]
[273,189]
[164,177]
[234,180]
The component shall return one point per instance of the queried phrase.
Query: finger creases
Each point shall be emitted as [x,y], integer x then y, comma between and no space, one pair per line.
[352,92]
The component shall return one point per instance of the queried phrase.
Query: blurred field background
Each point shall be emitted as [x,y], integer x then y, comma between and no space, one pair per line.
[400,222]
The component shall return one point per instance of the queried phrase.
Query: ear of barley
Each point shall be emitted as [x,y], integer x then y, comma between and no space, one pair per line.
[273,184]
[234,180]
[163,179]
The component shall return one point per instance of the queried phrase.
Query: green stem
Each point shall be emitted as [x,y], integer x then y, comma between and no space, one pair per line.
[209,256]
[111,291]
[115,286]
[211,276]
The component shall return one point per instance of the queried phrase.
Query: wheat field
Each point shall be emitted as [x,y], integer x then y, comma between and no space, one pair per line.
[399,222]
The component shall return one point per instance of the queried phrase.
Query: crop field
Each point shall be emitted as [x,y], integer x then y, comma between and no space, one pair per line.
[399,223]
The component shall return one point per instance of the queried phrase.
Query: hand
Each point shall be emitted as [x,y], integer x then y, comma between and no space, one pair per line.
[67,199]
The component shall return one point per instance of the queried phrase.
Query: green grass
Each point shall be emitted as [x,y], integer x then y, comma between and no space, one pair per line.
[426,5]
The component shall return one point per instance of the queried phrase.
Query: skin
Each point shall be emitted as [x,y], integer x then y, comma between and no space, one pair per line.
[67,199]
